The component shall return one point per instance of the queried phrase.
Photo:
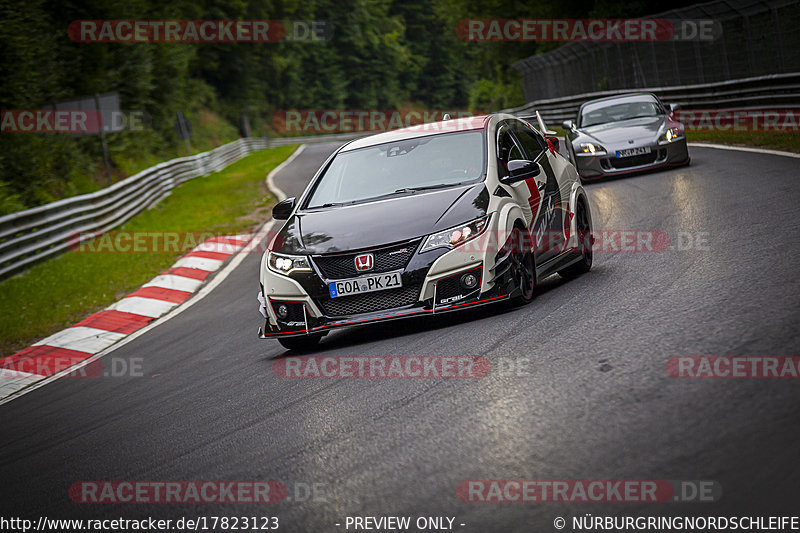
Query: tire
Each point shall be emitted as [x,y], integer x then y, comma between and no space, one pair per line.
[300,344]
[584,229]
[523,269]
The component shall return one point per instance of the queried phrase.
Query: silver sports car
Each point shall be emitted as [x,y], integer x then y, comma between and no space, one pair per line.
[624,134]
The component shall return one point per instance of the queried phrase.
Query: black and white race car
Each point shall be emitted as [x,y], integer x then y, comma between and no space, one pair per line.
[623,134]
[421,221]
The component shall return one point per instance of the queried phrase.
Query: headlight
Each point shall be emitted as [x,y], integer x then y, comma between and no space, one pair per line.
[455,236]
[591,148]
[672,134]
[286,264]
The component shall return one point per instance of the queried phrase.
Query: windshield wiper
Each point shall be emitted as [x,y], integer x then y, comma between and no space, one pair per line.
[425,187]
[398,191]
[328,204]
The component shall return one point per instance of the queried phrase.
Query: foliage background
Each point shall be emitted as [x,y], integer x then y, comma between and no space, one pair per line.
[383,54]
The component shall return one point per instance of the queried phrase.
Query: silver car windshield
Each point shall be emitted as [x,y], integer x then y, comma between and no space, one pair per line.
[401,167]
[615,111]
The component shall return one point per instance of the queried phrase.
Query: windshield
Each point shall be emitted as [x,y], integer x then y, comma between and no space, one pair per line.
[614,111]
[401,167]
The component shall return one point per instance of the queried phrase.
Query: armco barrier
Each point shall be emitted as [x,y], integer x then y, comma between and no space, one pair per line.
[31,236]
[776,91]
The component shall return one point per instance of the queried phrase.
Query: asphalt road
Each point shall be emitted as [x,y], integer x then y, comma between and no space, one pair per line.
[578,390]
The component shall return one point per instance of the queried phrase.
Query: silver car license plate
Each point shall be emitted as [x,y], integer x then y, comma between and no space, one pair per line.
[634,151]
[376,282]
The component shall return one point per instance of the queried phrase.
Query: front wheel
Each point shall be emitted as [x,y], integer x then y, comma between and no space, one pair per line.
[300,344]
[584,231]
[523,269]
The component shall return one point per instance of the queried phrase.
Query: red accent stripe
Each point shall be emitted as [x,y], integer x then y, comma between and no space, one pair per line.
[534,199]
[160,293]
[43,360]
[208,254]
[186,272]
[118,321]
[421,311]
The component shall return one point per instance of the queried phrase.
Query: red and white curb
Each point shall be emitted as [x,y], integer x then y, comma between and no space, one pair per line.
[97,332]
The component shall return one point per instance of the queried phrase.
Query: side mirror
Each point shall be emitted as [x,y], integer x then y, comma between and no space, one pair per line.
[568,125]
[283,210]
[520,170]
[672,107]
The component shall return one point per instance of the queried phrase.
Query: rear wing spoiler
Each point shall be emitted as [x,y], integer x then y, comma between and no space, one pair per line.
[546,132]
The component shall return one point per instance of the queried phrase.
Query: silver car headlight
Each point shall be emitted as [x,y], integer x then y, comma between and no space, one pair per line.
[286,264]
[672,134]
[592,149]
[457,235]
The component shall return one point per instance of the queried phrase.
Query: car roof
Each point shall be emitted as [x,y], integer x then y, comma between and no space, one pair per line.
[478,122]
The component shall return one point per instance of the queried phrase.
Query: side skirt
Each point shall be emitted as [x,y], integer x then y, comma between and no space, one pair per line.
[559,262]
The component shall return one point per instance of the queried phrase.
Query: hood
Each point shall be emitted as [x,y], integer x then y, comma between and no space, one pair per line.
[643,129]
[382,222]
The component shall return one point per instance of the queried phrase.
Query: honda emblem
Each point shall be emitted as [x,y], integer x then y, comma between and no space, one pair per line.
[364,262]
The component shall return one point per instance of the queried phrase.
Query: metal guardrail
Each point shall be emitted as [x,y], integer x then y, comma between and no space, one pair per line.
[776,91]
[34,235]
[749,38]
[31,236]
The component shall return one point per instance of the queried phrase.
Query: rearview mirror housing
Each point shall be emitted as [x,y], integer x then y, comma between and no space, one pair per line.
[568,125]
[520,170]
[283,210]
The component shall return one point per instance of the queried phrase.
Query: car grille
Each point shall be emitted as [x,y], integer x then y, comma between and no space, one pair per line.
[370,302]
[343,266]
[634,161]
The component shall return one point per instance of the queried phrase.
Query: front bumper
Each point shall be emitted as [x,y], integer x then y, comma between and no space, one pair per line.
[432,284]
[325,324]
[663,155]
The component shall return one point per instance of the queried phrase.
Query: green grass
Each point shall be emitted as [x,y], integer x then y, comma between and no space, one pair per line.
[789,142]
[45,168]
[59,292]
[209,130]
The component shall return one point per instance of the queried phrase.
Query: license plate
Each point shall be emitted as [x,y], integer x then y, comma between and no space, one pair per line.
[634,151]
[376,282]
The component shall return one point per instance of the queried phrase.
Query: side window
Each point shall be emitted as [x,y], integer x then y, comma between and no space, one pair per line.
[532,142]
[507,146]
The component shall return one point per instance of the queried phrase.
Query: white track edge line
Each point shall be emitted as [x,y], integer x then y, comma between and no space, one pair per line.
[223,273]
[751,149]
